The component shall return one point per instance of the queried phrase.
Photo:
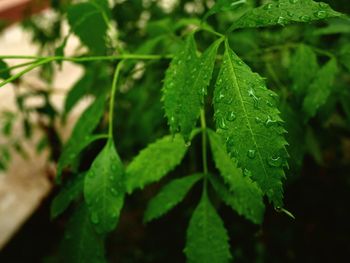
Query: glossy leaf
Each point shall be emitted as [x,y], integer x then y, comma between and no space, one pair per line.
[207,239]
[244,195]
[81,243]
[155,161]
[284,12]
[169,196]
[320,88]
[185,85]
[248,121]
[104,188]
[68,193]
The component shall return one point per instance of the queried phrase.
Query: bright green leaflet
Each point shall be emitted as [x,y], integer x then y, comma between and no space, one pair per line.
[207,239]
[104,189]
[245,196]
[320,88]
[69,192]
[169,196]
[81,243]
[155,161]
[81,134]
[303,68]
[248,121]
[4,72]
[185,85]
[87,21]
[284,12]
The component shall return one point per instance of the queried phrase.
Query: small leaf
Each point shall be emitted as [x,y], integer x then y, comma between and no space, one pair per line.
[4,71]
[81,135]
[81,243]
[185,85]
[303,68]
[88,22]
[155,161]
[248,120]
[169,196]
[284,12]
[320,88]
[68,193]
[243,194]
[104,189]
[207,239]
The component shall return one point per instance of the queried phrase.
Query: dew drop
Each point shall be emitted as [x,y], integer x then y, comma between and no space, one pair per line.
[258,120]
[321,14]
[322,5]
[251,154]
[94,218]
[230,116]
[269,122]
[275,161]
[305,18]
[222,124]
[269,103]
[255,98]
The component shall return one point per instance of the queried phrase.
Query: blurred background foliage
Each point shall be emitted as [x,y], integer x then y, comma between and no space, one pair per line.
[317,190]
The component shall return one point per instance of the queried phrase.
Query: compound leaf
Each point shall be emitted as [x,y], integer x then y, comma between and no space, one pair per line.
[207,239]
[169,196]
[185,85]
[68,193]
[320,88]
[89,23]
[248,120]
[284,12]
[155,161]
[243,194]
[303,68]
[81,243]
[104,189]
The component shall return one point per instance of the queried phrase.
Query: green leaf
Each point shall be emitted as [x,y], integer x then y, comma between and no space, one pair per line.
[223,6]
[104,189]
[243,195]
[207,239]
[284,12]
[68,193]
[81,135]
[320,88]
[81,243]
[88,22]
[4,72]
[303,68]
[155,161]
[169,196]
[345,55]
[248,120]
[185,85]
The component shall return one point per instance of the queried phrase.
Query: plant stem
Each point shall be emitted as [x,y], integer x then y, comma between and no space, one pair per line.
[18,66]
[112,99]
[204,149]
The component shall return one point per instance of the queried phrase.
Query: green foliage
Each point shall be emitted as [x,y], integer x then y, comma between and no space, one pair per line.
[169,196]
[248,120]
[104,188]
[4,71]
[243,195]
[155,161]
[207,239]
[285,12]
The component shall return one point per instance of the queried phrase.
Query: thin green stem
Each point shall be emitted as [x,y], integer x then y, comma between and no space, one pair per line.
[204,149]
[17,66]
[112,99]
[26,70]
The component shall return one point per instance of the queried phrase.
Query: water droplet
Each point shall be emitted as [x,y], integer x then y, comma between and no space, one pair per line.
[293,1]
[258,120]
[251,154]
[94,218]
[323,5]
[230,143]
[275,161]
[269,122]
[222,124]
[321,14]
[268,6]
[247,173]
[188,144]
[281,21]
[305,18]
[269,103]
[240,62]
[172,119]
[230,116]
[251,93]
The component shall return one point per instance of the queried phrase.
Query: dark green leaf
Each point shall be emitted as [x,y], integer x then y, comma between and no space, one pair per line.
[207,239]
[243,194]
[104,189]
[169,196]
[248,120]
[155,161]
[4,71]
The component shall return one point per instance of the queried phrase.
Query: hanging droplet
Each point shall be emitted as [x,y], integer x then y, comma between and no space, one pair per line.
[321,14]
[230,116]
[94,218]
[275,161]
[251,154]
[251,93]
